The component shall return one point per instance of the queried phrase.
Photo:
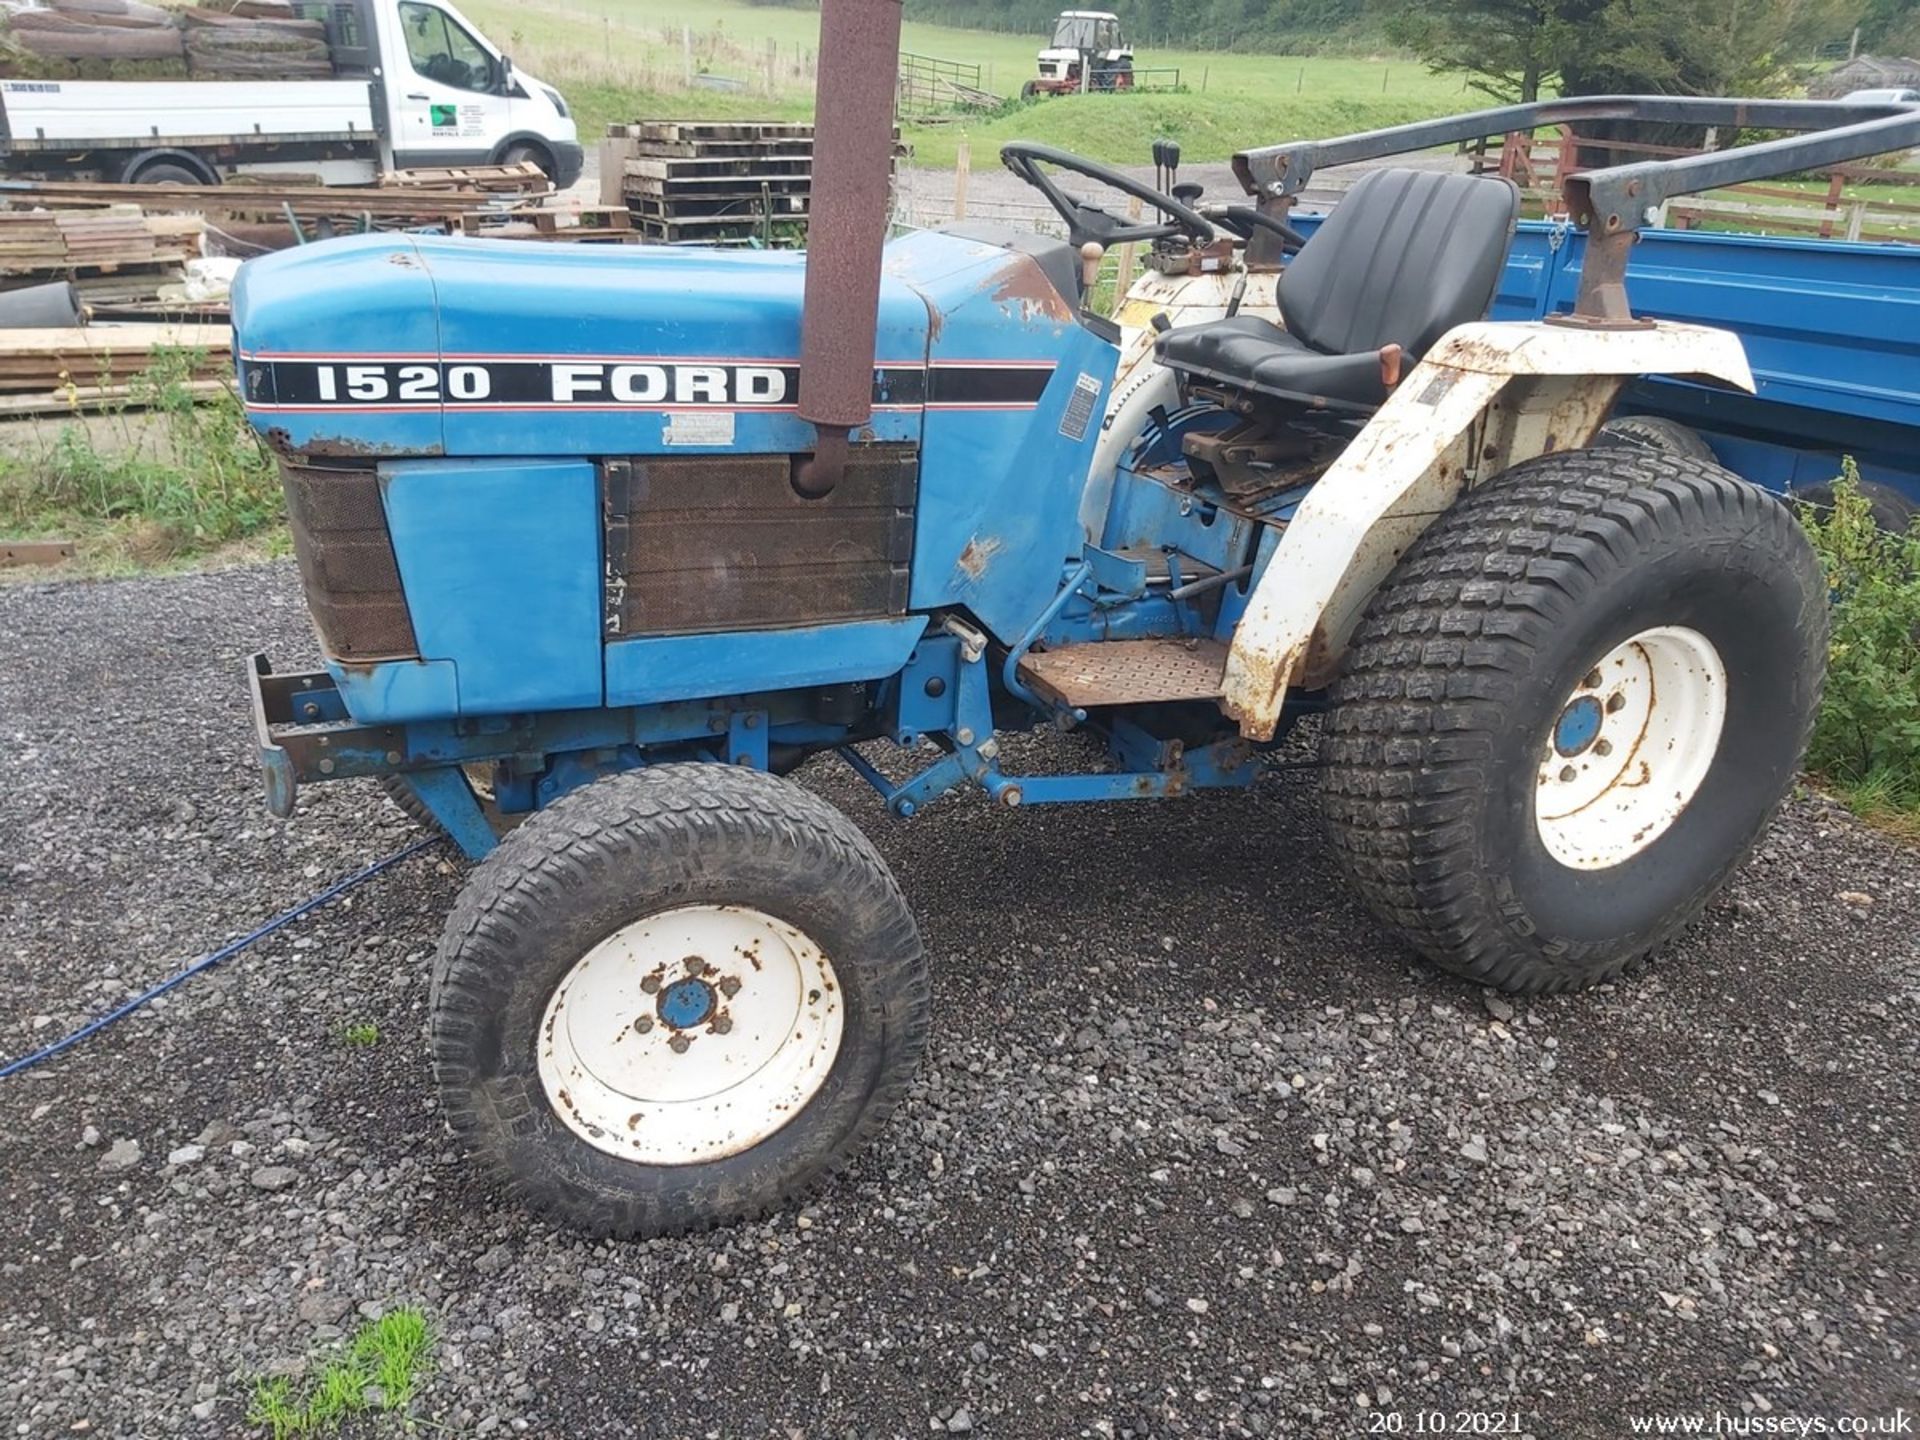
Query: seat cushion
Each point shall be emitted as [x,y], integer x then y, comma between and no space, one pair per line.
[1249,353]
[1404,257]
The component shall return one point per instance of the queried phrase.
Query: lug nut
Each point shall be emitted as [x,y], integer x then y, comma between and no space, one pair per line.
[721,1025]
[651,984]
[678,1044]
[1603,747]
[1592,682]
[643,1024]
[1567,773]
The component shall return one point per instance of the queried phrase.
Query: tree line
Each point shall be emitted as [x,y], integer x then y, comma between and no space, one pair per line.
[1512,49]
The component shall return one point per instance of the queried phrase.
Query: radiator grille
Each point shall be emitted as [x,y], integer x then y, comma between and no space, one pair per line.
[724,542]
[346,563]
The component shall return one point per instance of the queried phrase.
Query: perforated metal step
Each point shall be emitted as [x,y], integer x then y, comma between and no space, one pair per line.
[1128,672]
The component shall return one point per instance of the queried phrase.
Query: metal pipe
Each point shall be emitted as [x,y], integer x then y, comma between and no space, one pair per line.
[1009,671]
[846,226]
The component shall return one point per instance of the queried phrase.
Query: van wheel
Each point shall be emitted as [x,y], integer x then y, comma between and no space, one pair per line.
[167,172]
[676,998]
[1569,712]
[522,152]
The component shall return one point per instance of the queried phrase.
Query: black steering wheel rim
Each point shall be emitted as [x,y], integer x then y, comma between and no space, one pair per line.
[1243,220]
[1024,158]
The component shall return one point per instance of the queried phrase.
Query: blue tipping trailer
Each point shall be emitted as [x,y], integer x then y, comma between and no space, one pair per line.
[1831,328]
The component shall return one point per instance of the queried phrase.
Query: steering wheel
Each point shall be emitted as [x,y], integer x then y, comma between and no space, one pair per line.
[1243,220]
[1089,222]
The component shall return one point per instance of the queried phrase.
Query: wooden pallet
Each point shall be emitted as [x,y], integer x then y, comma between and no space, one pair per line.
[523,178]
[599,225]
[705,131]
[726,167]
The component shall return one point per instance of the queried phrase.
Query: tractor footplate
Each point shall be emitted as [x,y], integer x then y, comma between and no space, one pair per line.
[1127,672]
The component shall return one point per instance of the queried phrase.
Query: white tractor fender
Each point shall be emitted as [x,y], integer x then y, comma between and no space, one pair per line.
[1487,397]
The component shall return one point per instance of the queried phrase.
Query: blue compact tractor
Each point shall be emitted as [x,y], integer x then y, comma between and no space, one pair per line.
[601,544]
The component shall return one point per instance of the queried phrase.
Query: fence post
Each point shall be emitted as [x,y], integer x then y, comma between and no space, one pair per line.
[686,56]
[1123,282]
[773,67]
[1856,220]
[1205,70]
[962,168]
[1836,184]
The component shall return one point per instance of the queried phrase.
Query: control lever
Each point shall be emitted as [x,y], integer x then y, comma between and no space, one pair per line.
[1091,255]
[1239,293]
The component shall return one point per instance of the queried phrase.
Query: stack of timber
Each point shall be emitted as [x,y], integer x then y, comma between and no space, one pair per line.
[96,30]
[61,368]
[701,183]
[255,40]
[594,225]
[363,206]
[99,241]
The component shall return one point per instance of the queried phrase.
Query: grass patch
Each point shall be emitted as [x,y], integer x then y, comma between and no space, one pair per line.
[1866,744]
[618,60]
[361,1035]
[166,475]
[380,1371]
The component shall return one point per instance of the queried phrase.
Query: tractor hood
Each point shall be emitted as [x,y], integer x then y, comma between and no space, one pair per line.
[418,346]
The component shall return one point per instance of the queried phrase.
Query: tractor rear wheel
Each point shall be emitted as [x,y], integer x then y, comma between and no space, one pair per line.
[1570,711]
[676,998]
[1653,432]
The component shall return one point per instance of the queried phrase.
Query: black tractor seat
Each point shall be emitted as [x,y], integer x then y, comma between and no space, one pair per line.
[1404,257]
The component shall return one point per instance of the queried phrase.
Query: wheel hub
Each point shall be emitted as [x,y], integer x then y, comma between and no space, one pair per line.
[1578,726]
[686,1003]
[1630,747]
[690,1035]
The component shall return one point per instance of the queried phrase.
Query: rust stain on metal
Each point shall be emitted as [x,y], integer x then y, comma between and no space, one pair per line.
[1268,680]
[1022,283]
[281,442]
[979,554]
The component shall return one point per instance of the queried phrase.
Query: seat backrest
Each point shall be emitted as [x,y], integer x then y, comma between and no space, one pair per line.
[1405,256]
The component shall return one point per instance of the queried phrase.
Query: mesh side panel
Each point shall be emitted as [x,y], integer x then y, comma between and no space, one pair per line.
[346,563]
[723,542]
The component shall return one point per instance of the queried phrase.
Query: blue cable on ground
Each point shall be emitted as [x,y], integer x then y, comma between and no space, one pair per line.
[332,892]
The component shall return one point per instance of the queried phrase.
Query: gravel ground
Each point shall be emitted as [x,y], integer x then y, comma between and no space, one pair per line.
[1196,1150]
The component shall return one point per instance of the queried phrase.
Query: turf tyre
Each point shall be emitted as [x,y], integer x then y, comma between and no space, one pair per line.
[604,857]
[1450,689]
[1652,432]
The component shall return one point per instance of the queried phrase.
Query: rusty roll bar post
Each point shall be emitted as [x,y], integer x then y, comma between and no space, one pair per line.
[846,227]
[1613,204]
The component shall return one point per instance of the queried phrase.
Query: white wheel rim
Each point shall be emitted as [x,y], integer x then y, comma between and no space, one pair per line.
[1629,748]
[690,1035]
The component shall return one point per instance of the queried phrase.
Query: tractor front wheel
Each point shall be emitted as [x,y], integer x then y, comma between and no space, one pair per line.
[1570,711]
[676,998]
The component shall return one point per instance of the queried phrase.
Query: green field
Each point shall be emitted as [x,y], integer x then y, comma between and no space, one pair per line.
[622,59]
